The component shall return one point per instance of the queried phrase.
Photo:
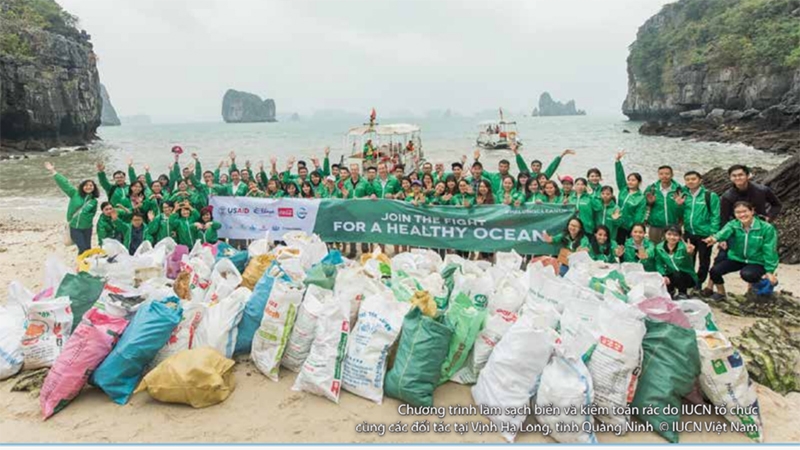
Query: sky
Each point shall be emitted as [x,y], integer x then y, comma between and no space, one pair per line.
[174,59]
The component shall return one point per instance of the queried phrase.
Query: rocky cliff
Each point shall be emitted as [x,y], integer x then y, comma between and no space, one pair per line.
[550,107]
[239,107]
[108,116]
[49,85]
[723,70]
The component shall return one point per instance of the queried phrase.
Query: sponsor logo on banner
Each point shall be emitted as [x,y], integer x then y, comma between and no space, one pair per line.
[302,212]
[233,211]
[269,212]
[285,212]
[276,227]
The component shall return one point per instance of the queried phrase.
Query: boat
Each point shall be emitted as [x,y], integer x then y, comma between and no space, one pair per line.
[497,134]
[397,143]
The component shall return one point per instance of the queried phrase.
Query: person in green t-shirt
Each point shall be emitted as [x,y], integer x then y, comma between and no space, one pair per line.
[81,208]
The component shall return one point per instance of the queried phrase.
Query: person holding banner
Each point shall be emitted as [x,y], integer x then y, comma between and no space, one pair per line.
[385,185]
[464,198]
[572,239]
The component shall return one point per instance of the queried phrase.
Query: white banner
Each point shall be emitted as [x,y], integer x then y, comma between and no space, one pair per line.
[254,218]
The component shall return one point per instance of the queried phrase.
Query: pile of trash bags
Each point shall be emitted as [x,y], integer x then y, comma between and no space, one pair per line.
[168,320]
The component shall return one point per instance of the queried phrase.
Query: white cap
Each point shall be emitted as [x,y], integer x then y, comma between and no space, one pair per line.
[330,178]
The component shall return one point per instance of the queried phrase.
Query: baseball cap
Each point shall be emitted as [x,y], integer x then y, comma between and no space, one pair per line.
[330,178]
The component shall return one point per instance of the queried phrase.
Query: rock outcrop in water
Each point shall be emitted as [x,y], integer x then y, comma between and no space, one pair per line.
[550,107]
[50,88]
[784,180]
[108,115]
[241,107]
[692,73]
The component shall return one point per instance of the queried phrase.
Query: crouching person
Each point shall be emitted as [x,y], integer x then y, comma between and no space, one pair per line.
[752,250]
[675,263]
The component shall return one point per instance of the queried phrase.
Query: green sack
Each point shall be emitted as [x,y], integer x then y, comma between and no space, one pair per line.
[467,321]
[599,284]
[670,366]
[448,274]
[83,290]
[322,274]
[404,286]
[420,353]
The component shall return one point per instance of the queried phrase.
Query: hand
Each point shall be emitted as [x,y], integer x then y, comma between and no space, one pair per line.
[619,156]
[642,253]
[101,167]
[466,202]
[345,193]
[120,206]
[327,151]
[567,152]
[773,280]
[232,155]
[547,238]
[291,161]
[589,190]
[723,246]
[463,159]
[147,168]
[273,160]
[666,281]
[476,154]
[130,162]
[513,147]
[689,247]
[517,203]
[49,166]
[150,216]
[114,214]
[373,197]
[194,156]
[651,198]
[221,163]
[710,241]
[247,163]
[199,226]
[680,199]
[620,250]
[208,225]
[616,214]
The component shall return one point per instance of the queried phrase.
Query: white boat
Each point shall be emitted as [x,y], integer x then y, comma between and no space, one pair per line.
[497,134]
[398,143]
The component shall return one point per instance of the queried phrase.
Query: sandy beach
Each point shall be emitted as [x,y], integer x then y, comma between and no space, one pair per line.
[263,411]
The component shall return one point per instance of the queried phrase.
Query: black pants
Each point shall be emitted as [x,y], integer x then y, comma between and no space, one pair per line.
[703,253]
[750,273]
[679,281]
[622,235]
[81,238]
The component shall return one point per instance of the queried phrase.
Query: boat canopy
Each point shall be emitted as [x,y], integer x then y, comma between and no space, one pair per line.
[496,122]
[384,130]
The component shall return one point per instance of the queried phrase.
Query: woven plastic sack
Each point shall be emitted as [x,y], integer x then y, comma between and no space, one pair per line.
[83,290]
[273,334]
[184,335]
[322,274]
[238,257]
[466,320]
[699,314]
[497,325]
[255,269]
[219,326]
[303,332]
[48,324]
[254,308]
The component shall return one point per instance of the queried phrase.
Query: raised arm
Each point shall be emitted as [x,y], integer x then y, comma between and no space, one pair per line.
[61,181]
[102,178]
[521,165]
[620,172]
[551,169]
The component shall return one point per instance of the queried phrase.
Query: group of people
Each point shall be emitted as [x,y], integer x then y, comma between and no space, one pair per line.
[665,226]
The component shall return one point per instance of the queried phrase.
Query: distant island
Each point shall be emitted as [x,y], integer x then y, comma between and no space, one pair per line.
[243,107]
[108,115]
[550,107]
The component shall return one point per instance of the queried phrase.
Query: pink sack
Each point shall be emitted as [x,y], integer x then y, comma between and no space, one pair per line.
[213,248]
[88,346]
[174,261]
[665,310]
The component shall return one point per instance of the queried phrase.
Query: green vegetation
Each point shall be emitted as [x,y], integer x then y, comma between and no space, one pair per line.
[17,16]
[748,34]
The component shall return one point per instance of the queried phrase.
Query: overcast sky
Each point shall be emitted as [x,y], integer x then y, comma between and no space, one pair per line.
[174,59]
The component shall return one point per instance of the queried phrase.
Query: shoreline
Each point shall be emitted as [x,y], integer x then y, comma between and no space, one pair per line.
[285,415]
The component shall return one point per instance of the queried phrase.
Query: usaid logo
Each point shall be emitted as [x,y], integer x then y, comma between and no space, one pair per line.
[302,212]
[285,212]
[235,211]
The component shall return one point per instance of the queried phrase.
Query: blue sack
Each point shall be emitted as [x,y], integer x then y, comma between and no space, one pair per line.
[333,257]
[239,258]
[149,330]
[764,287]
[254,309]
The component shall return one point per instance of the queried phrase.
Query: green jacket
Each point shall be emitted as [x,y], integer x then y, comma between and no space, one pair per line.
[391,187]
[323,192]
[631,254]
[112,229]
[586,206]
[759,245]
[239,191]
[80,209]
[458,200]
[536,198]
[611,257]
[159,229]
[558,200]
[209,236]
[596,188]
[551,169]
[679,261]
[664,211]
[358,190]
[496,178]
[633,206]
[571,244]
[603,216]
[699,217]
[185,231]
[515,195]
[114,193]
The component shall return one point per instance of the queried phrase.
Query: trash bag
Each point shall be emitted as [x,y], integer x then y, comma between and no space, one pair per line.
[48,324]
[198,377]
[724,381]
[353,284]
[149,330]
[237,257]
[225,278]
[404,286]
[314,303]
[566,383]
[434,285]
[420,354]
[12,329]
[512,372]
[322,274]
[218,329]
[87,258]
[174,261]
[280,312]
[184,335]
[86,348]
[83,290]
[670,366]
[321,373]
[254,308]
[424,301]
[466,320]
[665,310]
[377,328]
[259,247]
[699,314]
[255,270]
[497,325]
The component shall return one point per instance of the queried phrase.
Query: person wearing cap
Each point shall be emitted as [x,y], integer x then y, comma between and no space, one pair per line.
[631,201]
[567,184]
[328,188]
[536,165]
[207,227]
[417,197]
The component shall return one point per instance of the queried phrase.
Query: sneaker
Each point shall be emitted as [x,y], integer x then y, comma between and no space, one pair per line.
[681,297]
[717,297]
[706,293]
